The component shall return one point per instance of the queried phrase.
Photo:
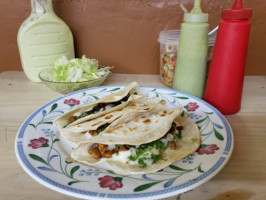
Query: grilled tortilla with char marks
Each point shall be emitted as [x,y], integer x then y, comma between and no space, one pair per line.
[100,107]
[86,130]
[185,141]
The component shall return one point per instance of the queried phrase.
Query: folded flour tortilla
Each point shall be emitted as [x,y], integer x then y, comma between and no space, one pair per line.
[86,130]
[100,107]
[184,145]
[137,127]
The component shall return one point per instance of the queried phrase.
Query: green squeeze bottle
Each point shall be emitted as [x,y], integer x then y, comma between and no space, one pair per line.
[191,64]
[42,39]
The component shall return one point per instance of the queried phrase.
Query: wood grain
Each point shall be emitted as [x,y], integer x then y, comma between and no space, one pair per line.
[243,178]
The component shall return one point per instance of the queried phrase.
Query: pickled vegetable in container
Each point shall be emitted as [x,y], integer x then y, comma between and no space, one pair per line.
[168,51]
[191,64]
[168,40]
[42,39]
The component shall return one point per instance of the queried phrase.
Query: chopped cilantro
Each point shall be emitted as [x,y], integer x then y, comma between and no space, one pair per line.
[95,134]
[175,137]
[142,163]
[146,149]
[156,157]
[84,114]
[159,145]
[101,129]
[133,158]
[139,152]
[179,134]
[194,140]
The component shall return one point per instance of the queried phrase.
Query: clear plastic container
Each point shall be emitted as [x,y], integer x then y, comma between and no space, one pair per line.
[168,53]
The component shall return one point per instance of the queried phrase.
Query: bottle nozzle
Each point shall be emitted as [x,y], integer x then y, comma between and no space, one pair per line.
[237,12]
[196,14]
[196,9]
[238,4]
[197,3]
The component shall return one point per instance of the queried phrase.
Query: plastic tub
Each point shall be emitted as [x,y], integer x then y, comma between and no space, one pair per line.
[168,53]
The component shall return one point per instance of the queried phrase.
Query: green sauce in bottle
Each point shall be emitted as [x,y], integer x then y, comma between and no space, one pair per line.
[42,39]
[190,71]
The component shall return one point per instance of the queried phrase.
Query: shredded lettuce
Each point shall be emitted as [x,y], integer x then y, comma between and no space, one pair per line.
[77,70]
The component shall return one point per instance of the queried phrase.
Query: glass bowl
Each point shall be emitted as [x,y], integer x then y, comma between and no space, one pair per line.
[67,87]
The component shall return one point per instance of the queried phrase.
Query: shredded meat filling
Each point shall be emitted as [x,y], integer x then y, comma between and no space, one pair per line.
[97,108]
[94,151]
[72,119]
[179,128]
[171,130]
[93,131]
[123,148]
[172,145]
[101,150]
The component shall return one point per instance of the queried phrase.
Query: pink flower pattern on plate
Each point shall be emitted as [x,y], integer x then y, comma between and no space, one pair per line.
[191,106]
[38,143]
[110,182]
[207,149]
[71,102]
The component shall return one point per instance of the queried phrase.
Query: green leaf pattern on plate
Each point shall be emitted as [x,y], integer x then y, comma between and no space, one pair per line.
[48,117]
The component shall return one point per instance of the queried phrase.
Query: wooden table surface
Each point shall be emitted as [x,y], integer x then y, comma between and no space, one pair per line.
[243,178]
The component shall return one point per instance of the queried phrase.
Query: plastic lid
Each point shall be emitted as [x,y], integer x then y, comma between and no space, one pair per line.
[237,11]
[169,36]
[196,14]
[172,36]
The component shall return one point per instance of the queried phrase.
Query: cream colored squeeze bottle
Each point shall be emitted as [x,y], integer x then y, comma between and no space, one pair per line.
[42,39]
[190,71]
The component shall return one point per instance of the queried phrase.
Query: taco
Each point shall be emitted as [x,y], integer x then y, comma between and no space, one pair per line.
[100,107]
[86,130]
[182,139]
[138,127]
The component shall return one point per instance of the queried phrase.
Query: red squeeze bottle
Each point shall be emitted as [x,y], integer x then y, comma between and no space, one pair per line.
[226,75]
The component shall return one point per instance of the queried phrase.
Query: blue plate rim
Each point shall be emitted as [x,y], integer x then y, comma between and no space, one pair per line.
[26,165]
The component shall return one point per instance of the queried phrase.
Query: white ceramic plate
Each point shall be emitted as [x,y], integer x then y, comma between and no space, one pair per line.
[45,156]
